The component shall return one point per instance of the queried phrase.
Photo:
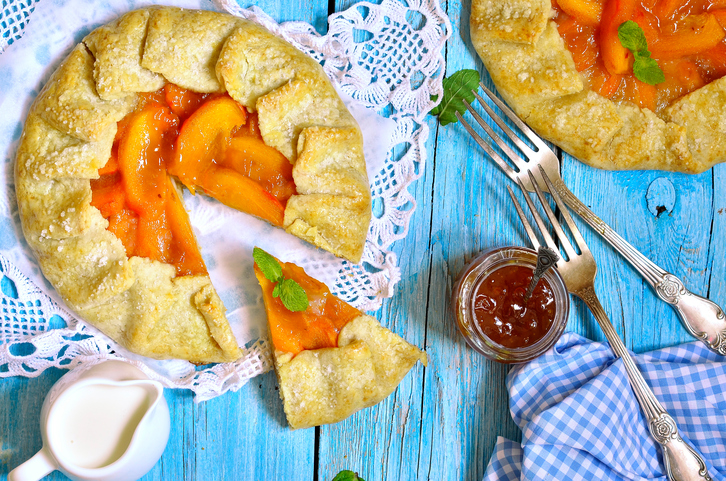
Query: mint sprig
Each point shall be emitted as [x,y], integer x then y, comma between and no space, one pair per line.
[347,475]
[645,69]
[458,87]
[292,295]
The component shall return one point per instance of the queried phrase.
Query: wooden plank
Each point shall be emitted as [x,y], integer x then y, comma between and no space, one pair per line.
[717,256]
[244,435]
[677,240]
[384,441]
[387,441]
[464,400]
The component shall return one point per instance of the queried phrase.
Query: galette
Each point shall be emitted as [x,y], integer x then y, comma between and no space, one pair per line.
[163,98]
[619,84]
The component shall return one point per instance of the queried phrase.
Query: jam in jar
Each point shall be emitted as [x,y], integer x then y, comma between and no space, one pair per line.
[488,303]
[502,313]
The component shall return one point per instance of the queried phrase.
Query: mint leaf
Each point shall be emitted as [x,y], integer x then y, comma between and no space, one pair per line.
[292,295]
[347,475]
[631,36]
[457,88]
[269,266]
[645,69]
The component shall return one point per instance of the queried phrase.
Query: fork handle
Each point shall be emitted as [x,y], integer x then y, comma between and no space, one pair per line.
[681,461]
[702,318]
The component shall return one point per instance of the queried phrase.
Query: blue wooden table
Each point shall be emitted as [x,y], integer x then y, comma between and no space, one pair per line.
[443,421]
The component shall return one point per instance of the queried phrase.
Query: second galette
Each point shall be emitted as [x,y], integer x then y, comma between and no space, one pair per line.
[562,67]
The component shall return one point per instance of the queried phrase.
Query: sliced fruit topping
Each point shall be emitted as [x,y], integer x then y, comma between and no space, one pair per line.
[203,137]
[219,149]
[253,158]
[183,251]
[588,12]
[317,326]
[692,35]
[136,196]
[684,42]
[251,128]
[617,59]
[183,102]
[141,154]
[242,193]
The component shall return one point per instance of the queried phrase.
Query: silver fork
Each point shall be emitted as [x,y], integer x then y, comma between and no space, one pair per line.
[681,461]
[702,318]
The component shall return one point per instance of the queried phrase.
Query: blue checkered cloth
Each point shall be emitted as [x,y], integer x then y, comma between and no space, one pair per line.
[580,419]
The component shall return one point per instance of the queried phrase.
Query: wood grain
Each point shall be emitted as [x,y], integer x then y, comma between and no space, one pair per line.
[443,421]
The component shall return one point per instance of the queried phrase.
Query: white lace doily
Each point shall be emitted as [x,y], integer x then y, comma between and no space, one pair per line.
[387,57]
[14,16]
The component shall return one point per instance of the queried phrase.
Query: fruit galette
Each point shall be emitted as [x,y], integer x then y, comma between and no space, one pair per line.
[331,359]
[619,84]
[165,97]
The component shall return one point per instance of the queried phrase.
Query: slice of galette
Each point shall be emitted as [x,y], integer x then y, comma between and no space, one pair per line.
[331,359]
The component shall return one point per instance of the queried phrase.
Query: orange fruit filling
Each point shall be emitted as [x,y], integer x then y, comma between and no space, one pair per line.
[209,142]
[315,328]
[686,38]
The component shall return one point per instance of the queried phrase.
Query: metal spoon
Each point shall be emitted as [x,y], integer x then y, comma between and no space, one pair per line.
[546,258]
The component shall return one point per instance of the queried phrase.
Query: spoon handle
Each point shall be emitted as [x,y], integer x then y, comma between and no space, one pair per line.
[546,258]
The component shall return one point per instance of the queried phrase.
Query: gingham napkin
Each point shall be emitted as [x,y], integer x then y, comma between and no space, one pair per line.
[580,419]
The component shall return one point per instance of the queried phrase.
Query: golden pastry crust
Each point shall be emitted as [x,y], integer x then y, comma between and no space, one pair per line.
[69,132]
[535,74]
[325,386]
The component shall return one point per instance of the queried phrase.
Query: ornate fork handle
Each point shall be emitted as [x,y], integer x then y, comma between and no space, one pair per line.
[702,318]
[681,461]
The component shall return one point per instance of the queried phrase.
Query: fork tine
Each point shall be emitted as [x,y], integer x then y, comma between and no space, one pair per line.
[579,240]
[488,148]
[514,157]
[527,226]
[524,148]
[537,218]
[511,155]
[564,241]
[514,118]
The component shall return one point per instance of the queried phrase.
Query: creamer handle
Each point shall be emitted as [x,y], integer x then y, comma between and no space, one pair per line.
[34,468]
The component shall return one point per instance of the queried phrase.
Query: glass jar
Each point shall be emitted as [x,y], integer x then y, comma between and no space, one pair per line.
[463,298]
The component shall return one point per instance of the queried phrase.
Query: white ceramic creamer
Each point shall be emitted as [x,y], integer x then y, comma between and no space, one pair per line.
[109,423]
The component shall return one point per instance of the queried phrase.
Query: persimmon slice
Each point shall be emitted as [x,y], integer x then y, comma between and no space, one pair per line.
[315,328]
